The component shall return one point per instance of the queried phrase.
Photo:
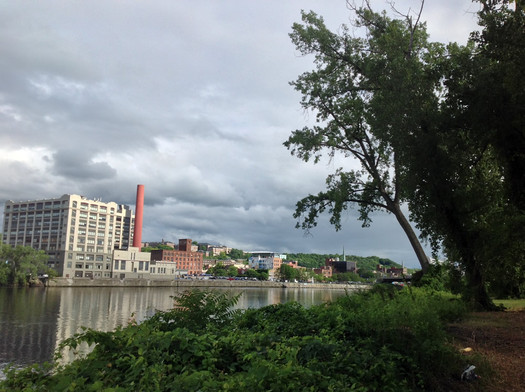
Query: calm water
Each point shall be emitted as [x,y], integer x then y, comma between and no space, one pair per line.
[34,321]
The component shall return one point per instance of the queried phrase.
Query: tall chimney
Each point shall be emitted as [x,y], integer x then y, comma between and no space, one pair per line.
[139,207]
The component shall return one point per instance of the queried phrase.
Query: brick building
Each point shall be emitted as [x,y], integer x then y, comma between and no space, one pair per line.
[184,258]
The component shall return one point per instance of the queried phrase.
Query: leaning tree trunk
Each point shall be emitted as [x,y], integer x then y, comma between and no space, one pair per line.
[412,237]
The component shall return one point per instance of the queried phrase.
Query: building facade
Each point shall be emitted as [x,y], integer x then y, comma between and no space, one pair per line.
[77,233]
[184,258]
[131,263]
[266,261]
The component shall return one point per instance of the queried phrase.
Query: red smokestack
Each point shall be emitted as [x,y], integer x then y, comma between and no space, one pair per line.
[139,207]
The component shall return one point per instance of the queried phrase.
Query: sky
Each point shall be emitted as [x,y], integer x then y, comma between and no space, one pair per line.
[192,100]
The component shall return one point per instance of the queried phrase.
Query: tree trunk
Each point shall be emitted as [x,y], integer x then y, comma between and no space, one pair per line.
[412,237]
[477,294]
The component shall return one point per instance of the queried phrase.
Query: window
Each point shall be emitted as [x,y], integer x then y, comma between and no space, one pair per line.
[116,264]
[123,264]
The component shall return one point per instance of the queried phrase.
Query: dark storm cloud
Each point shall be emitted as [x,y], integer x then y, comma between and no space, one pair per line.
[78,165]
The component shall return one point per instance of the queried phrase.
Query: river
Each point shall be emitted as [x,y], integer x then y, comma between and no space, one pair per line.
[33,321]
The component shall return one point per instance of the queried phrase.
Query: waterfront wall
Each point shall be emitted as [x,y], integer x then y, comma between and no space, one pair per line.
[86,282]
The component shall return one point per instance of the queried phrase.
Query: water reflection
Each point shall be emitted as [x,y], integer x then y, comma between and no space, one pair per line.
[34,321]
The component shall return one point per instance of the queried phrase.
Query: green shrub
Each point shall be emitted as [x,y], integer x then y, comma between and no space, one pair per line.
[383,340]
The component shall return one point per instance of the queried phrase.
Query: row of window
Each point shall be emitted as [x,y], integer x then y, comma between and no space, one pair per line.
[91,207]
[121,265]
[161,270]
[36,206]
[31,215]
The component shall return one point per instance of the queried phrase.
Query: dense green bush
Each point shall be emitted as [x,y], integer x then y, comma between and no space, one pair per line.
[382,340]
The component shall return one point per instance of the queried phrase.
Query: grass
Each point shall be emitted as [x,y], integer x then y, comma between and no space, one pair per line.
[511,304]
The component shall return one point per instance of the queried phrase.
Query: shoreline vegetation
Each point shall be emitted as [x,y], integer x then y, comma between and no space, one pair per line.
[382,339]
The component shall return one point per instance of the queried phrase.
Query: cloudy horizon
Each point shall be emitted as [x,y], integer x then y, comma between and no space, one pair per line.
[191,99]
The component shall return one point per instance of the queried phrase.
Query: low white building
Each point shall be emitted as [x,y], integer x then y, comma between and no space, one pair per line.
[131,263]
[160,269]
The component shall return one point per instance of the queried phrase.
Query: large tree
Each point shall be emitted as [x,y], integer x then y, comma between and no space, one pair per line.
[467,199]
[440,128]
[369,94]
[20,264]
[499,104]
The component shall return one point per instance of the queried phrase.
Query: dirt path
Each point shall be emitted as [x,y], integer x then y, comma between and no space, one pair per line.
[498,338]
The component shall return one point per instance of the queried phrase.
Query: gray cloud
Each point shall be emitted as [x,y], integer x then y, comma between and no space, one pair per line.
[191,100]
[78,165]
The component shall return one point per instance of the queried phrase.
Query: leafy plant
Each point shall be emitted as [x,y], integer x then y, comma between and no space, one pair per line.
[373,341]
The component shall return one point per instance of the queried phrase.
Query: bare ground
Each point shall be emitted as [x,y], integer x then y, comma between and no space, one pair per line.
[495,343]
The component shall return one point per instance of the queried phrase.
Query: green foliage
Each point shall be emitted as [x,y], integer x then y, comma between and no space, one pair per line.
[375,341]
[258,274]
[347,277]
[217,270]
[21,264]
[237,254]
[158,247]
[441,277]
[221,270]
[198,310]
[312,260]
[290,274]
[391,100]
[368,95]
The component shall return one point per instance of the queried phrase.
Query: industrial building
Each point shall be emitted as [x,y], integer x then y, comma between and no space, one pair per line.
[184,258]
[77,233]
[92,239]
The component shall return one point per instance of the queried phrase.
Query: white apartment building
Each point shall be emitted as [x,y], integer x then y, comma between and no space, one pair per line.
[77,233]
[266,261]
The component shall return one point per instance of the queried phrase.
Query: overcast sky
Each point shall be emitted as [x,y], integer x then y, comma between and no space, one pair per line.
[191,99]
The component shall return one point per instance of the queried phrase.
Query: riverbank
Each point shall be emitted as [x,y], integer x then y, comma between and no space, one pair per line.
[190,283]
